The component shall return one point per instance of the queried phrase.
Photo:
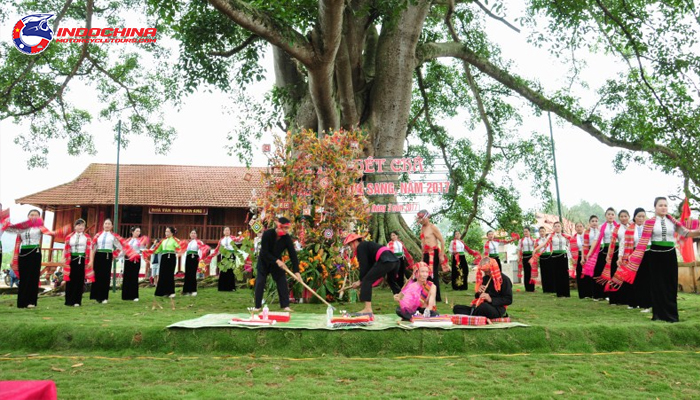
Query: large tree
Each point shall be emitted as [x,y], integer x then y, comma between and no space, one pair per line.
[399,69]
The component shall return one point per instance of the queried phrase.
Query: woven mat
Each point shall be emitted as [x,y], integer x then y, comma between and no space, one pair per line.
[318,321]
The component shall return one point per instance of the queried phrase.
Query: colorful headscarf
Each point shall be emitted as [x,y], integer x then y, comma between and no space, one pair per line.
[495,273]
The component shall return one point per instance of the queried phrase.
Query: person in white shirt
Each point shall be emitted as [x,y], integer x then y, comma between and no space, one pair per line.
[664,262]
[130,280]
[76,253]
[584,284]
[196,250]
[625,295]
[526,246]
[28,264]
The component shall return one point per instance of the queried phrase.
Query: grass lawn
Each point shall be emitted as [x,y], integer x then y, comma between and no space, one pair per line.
[573,348]
[585,376]
[557,325]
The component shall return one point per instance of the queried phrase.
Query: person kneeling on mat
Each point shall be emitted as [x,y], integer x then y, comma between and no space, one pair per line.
[418,295]
[492,298]
[376,261]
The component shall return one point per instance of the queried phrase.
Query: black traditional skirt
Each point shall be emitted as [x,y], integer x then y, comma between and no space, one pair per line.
[166,277]
[29,271]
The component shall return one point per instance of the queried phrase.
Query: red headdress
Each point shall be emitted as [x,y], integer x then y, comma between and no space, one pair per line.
[495,273]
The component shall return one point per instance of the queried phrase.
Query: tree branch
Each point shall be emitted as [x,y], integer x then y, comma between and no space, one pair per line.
[267,28]
[34,60]
[346,91]
[249,40]
[116,80]
[78,63]
[494,16]
[484,118]
[429,51]
[328,32]
[642,74]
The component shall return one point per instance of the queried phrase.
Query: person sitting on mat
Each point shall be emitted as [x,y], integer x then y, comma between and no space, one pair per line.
[417,295]
[492,298]
[376,261]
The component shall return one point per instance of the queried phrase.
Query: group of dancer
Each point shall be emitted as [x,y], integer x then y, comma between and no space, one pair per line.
[628,260]
[89,259]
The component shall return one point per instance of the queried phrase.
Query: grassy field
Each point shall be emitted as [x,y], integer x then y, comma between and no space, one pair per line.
[585,376]
[557,325]
[573,348]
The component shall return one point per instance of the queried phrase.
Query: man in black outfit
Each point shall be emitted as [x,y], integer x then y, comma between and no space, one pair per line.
[491,298]
[376,261]
[273,243]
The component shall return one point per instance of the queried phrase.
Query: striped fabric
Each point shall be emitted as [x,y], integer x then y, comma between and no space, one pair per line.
[535,260]
[67,254]
[628,270]
[589,267]
[605,276]
[469,320]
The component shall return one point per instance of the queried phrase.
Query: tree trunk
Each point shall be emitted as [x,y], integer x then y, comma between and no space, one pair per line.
[389,108]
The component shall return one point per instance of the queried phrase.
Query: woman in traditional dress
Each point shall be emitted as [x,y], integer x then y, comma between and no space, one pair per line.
[597,255]
[26,261]
[584,284]
[418,295]
[642,282]
[105,246]
[491,247]
[525,249]
[405,259]
[558,263]
[226,262]
[169,250]
[663,260]
[76,255]
[196,250]
[545,250]
[130,279]
[623,296]
[460,268]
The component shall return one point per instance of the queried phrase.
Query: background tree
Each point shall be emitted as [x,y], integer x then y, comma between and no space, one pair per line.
[398,69]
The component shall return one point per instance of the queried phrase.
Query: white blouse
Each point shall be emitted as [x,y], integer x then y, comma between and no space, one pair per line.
[398,247]
[559,242]
[593,236]
[607,237]
[107,241]
[193,246]
[638,230]
[226,242]
[31,236]
[621,234]
[493,247]
[579,241]
[543,240]
[528,244]
[664,229]
[78,243]
[135,243]
[457,246]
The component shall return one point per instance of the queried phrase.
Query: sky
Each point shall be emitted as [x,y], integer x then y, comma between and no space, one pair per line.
[203,122]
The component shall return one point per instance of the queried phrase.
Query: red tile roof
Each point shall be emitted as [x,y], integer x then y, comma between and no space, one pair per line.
[165,185]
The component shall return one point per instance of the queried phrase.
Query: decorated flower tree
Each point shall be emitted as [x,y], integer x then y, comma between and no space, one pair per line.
[310,181]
